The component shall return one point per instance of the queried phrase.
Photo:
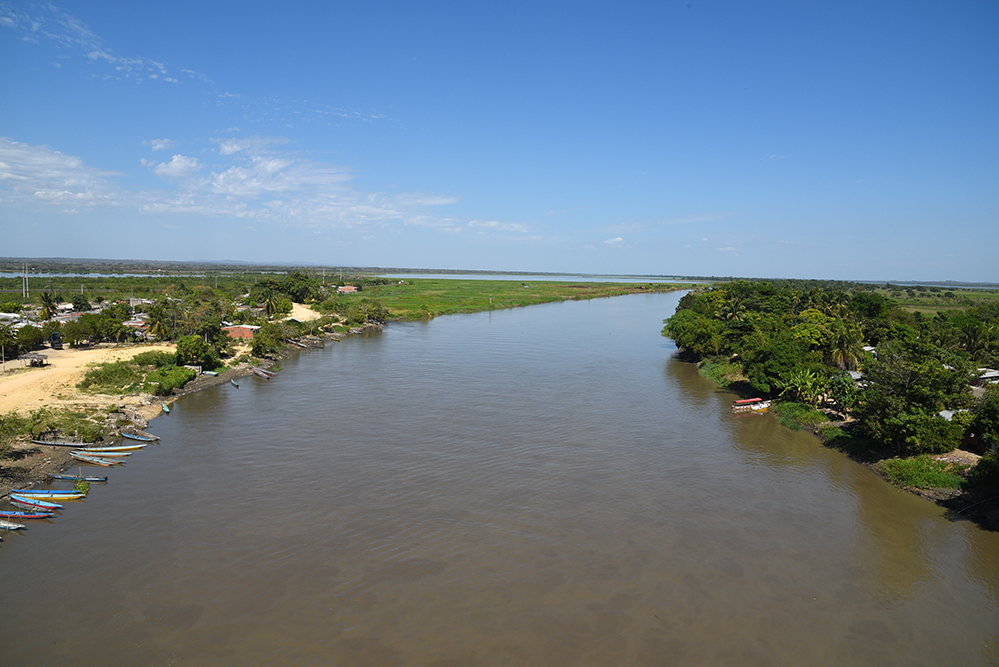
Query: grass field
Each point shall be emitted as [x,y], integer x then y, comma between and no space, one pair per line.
[420,298]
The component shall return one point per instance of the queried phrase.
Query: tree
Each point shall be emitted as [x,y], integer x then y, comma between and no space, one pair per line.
[29,338]
[845,345]
[48,305]
[194,351]
[985,417]
[80,303]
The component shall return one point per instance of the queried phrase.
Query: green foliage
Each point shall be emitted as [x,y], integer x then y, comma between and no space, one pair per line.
[10,307]
[721,371]
[12,425]
[157,358]
[985,417]
[29,338]
[164,380]
[796,415]
[111,378]
[922,472]
[985,474]
[82,486]
[194,351]
[80,303]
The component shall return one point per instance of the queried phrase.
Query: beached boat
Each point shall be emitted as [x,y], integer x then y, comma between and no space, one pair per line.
[10,525]
[166,408]
[75,478]
[262,372]
[24,514]
[113,454]
[751,405]
[113,448]
[141,437]
[94,460]
[50,494]
[34,503]
[49,443]
[234,384]
[212,373]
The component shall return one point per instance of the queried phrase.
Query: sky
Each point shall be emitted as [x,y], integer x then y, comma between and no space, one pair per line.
[846,140]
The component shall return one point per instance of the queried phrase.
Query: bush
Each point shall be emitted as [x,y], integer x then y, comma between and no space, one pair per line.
[164,380]
[986,473]
[796,415]
[111,377]
[721,371]
[922,472]
[157,358]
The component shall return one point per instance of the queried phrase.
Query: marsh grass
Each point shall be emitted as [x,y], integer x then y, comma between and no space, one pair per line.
[795,416]
[923,472]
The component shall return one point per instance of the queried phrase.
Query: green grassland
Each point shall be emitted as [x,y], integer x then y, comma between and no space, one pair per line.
[421,298]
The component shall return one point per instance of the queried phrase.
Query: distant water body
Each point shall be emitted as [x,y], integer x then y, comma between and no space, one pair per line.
[534,486]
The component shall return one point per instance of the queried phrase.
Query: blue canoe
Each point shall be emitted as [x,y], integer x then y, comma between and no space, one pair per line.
[140,438]
[34,503]
[49,495]
[18,514]
[78,478]
[166,408]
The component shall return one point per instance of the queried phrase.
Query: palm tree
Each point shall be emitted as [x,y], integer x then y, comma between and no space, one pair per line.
[846,345]
[48,305]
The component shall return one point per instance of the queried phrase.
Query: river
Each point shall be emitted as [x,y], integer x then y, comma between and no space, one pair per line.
[535,486]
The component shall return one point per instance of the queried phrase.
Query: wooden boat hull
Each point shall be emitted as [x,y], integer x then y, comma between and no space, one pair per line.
[140,437]
[77,445]
[93,460]
[76,478]
[34,504]
[25,515]
[104,455]
[112,448]
[10,525]
[49,495]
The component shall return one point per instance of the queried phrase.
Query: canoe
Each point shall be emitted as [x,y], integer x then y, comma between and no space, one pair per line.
[19,514]
[262,372]
[10,525]
[76,478]
[34,503]
[44,494]
[234,384]
[166,408]
[112,448]
[143,437]
[113,454]
[94,460]
[212,373]
[62,444]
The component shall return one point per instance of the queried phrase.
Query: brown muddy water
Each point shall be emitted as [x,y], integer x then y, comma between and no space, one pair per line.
[539,486]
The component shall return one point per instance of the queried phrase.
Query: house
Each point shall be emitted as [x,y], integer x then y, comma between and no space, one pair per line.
[241,330]
[346,289]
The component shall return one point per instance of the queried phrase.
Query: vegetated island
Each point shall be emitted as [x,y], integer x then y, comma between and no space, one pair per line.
[111,349]
[898,377]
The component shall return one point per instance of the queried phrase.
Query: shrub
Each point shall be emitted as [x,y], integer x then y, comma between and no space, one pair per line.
[922,472]
[164,380]
[157,358]
[111,377]
[986,473]
[721,371]
[796,415]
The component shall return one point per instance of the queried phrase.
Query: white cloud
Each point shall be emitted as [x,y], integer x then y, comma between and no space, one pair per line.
[178,167]
[161,144]
[494,225]
[614,242]
[39,175]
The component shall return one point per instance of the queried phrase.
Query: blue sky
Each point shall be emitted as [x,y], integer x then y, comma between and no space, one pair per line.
[776,139]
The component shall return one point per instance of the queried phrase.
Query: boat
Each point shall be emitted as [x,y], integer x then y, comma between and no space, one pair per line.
[75,478]
[212,373]
[300,346]
[234,384]
[113,454]
[112,448]
[61,444]
[750,405]
[141,437]
[34,503]
[259,373]
[10,525]
[94,460]
[23,515]
[262,372]
[47,494]
[166,408]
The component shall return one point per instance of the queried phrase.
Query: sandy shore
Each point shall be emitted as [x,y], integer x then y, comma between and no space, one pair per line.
[24,389]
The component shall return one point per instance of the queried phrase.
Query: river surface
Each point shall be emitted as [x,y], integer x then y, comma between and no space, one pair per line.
[536,486]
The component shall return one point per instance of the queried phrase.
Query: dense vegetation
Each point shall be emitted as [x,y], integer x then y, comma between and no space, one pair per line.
[798,340]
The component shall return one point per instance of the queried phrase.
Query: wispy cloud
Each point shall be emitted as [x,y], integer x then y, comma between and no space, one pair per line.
[617,242]
[279,187]
[160,144]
